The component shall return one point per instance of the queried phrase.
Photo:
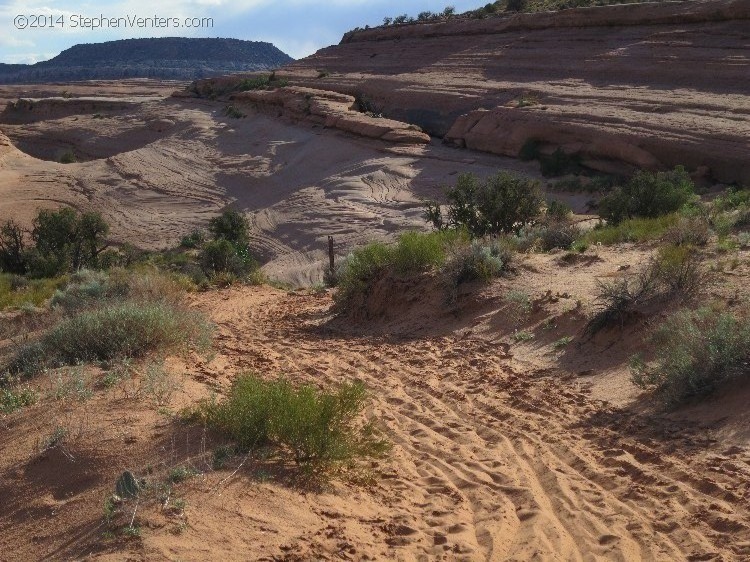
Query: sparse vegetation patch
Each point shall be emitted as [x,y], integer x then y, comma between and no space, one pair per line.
[696,352]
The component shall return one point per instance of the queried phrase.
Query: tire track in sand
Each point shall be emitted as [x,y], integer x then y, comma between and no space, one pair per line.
[494,464]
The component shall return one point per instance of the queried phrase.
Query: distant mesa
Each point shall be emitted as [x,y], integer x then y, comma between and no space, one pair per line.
[166,58]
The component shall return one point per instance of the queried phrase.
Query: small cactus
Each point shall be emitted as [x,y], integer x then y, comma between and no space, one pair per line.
[127,486]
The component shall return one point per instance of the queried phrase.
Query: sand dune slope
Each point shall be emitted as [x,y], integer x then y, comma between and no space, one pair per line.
[489,463]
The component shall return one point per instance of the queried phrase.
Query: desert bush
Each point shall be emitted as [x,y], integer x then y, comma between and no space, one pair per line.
[515,5]
[633,230]
[90,288]
[225,257]
[478,261]
[559,163]
[13,252]
[414,252]
[230,225]
[618,300]
[519,304]
[502,203]
[648,195]
[674,272]
[67,157]
[696,352]
[65,240]
[319,429]
[418,251]
[558,211]
[233,112]
[733,198]
[558,234]
[688,231]
[193,240]
[12,399]
[678,269]
[113,331]
[17,291]
[529,150]
[257,83]
[723,223]
[83,288]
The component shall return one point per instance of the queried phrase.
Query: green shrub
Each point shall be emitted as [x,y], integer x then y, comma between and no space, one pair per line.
[13,253]
[16,291]
[515,5]
[257,83]
[529,150]
[66,241]
[558,234]
[673,273]
[723,223]
[111,332]
[89,288]
[688,231]
[414,252]
[633,230]
[193,240]
[734,198]
[502,203]
[224,257]
[84,287]
[559,163]
[230,225]
[558,211]
[319,429]
[678,269]
[418,251]
[67,157]
[233,112]
[696,352]
[12,399]
[648,195]
[617,301]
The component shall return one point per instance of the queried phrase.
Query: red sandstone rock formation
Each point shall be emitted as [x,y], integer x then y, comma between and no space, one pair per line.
[646,85]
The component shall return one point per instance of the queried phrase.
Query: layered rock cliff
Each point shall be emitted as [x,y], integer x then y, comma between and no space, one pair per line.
[645,85]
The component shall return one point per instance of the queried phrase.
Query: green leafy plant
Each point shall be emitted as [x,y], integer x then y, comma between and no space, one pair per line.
[320,430]
[66,241]
[648,195]
[12,399]
[502,203]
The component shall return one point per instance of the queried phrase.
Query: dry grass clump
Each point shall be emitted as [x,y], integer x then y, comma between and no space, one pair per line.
[697,351]
[113,331]
[675,272]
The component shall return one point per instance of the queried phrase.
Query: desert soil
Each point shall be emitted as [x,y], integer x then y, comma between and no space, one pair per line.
[496,455]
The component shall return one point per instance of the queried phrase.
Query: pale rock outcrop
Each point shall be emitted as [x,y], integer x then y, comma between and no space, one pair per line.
[331,109]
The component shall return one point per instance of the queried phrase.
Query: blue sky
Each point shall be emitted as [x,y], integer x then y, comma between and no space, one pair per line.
[297,27]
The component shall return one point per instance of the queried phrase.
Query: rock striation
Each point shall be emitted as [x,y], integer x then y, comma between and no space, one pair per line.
[624,87]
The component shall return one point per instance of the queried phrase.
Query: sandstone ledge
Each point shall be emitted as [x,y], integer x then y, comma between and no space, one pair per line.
[331,109]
